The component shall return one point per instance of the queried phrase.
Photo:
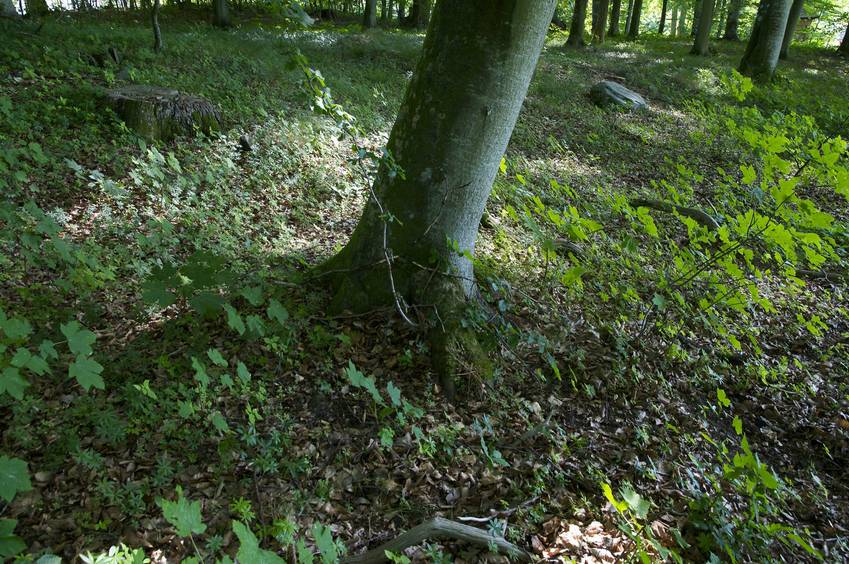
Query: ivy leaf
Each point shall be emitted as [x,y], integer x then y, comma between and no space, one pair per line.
[183,514]
[277,312]
[79,338]
[10,545]
[87,372]
[12,382]
[234,320]
[249,550]
[216,358]
[14,477]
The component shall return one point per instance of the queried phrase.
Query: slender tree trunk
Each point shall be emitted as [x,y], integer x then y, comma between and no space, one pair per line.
[576,30]
[761,56]
[370,14]
[702,44]
[673,22]
[634,30]
[157,34]
[790,29]
[844,45]
[383,10]
[449,137]
[662,24]
[221,14]
[733,20]
[720,20]
[697,17]
[599,27]
[682,21]
[628,16]
[615,16]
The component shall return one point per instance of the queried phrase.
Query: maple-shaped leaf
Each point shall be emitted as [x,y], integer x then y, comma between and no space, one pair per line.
[87,372]
[14,477]
[12,382]
[249,550]
[183,514]
[79,338]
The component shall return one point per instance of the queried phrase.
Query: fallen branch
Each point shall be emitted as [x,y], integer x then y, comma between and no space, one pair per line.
[440,528]
[701,217]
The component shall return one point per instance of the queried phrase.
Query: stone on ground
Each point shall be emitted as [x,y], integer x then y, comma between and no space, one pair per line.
[607,93]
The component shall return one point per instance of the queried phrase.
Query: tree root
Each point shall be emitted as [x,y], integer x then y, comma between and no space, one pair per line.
[440,528]
[701,217]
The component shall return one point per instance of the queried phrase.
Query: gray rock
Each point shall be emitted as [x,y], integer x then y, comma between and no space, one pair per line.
[607,93]
[163,113]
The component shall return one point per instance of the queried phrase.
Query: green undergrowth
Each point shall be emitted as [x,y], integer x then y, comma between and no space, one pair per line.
[164,346]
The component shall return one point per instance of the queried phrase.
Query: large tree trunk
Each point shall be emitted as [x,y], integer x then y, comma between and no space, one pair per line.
[662,24]
[615,16]
[790,29]
[417,233]
[419,14]
[844,45]
[761,56]
[576,30]
[221,14]
[634,29]
[7,9]
[702,44]
[599,27]
[731,24]
[157,34]
[370,14]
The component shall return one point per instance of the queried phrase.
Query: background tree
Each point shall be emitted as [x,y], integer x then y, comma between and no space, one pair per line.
[615,15]
[419,14]
[844,45]
[733,21]
[576,30]
[697,16]
[634,29]
[449,137]
[221,14]
[7,9]
[157,33]
[701,45]
[628,15]
[682,20]
[662,24]
[761,56]
[790,29]
[37,7]
[599,21]
[370,14]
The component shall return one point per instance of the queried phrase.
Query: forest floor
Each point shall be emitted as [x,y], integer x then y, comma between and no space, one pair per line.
[253,409]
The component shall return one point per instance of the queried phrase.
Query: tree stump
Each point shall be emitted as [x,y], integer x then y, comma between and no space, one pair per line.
[162,113]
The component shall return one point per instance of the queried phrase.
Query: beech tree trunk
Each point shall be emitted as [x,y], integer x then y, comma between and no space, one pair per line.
[682,21]
[157,34]
[7,9]
[449,137]
[761,56]
[702,44]
[673,22]
[576,30]
[697,16]
[844,45]
[221,14]
[662,24]
[370,15]
[37,8]
[599,22]
[790,29]
[628,16]
[615,16]
[731,24]
[634,29]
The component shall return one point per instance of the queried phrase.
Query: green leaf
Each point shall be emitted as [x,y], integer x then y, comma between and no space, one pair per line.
[387,437]
[206,303]
[216,357]
[200,371]
[234,320]
[16,329]
[79,338]
[360,380]
[738,424]
[723,398]
[638,504]
[157,292]
[277,312]
[87,372]
[243,373]
[47,349]
[255,325]
[14,477]
[49,559]
[324,541]
[219,422]
[608,493]
[25,359]
[13,383]
[249,550]
[183,514]
[394,394]
[253,295]
[10,544]
[804,544]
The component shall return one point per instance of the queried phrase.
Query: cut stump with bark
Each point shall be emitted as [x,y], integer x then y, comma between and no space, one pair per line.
[158,113]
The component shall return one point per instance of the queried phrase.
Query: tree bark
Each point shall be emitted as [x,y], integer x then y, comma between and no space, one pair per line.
[790,29]
[615,16]
[720,20]
[221,14]
[697,16]
[844,45]
[662,24]
[419,14]
[628,16]
[449,137]
[682,21]
[576,30]
[157,34]
[599,22]
[701,46]
[762,50]
[731,24]
[37,8]
[370,14]
[7,9]
[673,22]
[634,30]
